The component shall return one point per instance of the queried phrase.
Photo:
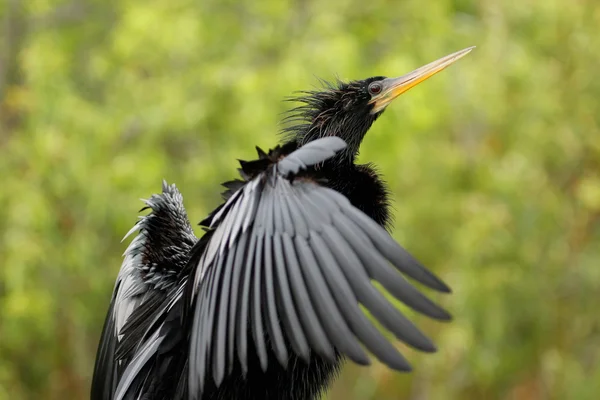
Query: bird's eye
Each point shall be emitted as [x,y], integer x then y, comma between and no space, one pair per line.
[375,88]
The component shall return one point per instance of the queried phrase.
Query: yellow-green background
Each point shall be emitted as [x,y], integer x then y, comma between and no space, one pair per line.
[494,166]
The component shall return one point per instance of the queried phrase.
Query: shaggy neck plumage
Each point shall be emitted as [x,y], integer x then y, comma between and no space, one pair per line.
[329,112]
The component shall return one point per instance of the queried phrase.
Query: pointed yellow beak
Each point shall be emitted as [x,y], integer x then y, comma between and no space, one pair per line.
[394,87]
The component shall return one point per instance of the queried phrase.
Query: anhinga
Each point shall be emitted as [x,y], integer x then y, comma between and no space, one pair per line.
[266,304]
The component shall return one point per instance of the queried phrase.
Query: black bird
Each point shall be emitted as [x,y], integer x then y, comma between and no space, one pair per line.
[265,305]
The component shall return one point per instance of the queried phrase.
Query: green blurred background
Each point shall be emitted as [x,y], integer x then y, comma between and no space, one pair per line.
[494,166]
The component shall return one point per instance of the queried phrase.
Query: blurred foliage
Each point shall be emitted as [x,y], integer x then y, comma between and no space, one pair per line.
[494,164]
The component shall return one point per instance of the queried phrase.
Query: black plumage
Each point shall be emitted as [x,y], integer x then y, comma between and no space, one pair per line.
[147,282]
[266,304]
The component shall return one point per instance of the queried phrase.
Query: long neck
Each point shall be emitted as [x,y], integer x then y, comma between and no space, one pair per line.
[310,123]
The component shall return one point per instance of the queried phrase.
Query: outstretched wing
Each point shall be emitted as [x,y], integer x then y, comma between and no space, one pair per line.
[290,261]
[149,272]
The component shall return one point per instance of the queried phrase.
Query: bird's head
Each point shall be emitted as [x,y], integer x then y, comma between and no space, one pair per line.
[348,109]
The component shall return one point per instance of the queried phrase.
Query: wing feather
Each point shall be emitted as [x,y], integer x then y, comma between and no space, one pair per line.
[392,250]
[329,316]
[202,324]
[306,310]
[244,301]
[258,332]
[271,314]
[362,290]
[289,264]
[390,317]
[234,300]
[219,349]
[379,270]
[288,309]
